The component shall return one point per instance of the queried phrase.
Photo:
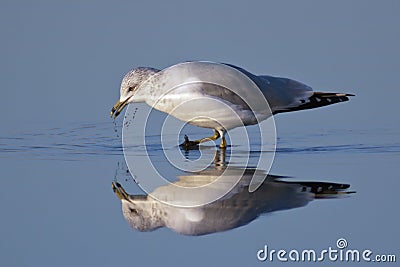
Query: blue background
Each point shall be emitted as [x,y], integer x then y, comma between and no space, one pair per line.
[61,66]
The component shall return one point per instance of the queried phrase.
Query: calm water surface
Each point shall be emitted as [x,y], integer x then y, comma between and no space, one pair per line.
[56,194]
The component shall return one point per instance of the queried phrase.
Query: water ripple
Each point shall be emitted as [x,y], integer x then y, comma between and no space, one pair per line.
[103,140]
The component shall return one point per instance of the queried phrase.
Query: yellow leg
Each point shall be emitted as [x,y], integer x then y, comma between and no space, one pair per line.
[223,143]
[187,144]
[211,138]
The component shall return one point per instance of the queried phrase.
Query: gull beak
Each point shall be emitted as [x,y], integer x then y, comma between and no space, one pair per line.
[117,108]
[119,191]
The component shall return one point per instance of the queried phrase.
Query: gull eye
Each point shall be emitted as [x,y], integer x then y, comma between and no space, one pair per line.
[130,89]
[133,210]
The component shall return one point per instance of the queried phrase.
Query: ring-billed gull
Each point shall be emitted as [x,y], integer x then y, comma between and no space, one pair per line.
[281,95]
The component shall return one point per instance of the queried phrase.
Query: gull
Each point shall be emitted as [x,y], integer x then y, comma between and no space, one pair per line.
[237,208]
[281,95]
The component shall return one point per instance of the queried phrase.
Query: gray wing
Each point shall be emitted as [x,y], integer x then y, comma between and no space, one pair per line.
[284,95]
[281,93]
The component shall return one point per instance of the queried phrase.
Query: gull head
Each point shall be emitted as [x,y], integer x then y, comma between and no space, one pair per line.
[129,86]
[138,210]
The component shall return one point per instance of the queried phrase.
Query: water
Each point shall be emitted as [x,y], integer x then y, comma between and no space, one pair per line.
[59,153]
[58,205]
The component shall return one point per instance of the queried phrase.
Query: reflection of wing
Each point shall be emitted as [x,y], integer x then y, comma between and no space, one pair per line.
[240,207]
[243,207]
[323,189]
[235,209]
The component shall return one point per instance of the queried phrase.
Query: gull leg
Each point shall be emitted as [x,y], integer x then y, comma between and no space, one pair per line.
[187,144]
[222,145]
[205,139]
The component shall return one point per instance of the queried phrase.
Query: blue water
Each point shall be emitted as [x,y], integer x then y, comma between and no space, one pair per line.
[61,67]
[56,193]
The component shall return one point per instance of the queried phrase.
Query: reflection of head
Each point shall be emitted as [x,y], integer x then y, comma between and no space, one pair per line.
[140,212]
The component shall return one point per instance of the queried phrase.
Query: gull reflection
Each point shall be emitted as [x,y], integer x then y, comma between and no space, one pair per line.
[237,208]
